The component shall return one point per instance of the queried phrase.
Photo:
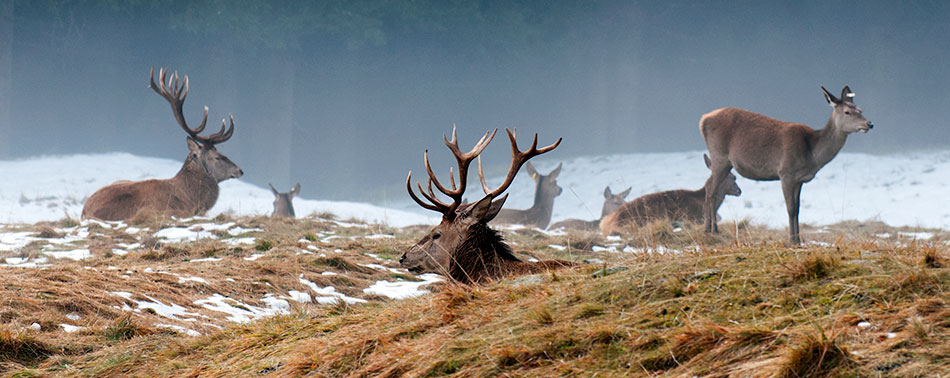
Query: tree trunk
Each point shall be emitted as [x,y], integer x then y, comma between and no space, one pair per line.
[6,77]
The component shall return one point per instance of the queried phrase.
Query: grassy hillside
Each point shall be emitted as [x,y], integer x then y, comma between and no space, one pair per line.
[860,300]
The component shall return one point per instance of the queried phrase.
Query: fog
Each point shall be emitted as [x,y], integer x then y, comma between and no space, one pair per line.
[345,96]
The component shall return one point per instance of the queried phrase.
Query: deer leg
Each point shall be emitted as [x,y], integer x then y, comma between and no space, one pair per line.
[711,203]
[792,191]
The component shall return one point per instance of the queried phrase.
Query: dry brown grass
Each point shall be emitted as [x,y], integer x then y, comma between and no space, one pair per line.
[736,304]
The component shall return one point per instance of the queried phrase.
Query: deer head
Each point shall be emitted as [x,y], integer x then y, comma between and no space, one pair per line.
[284,202]
[463,233]
[613,201]
[546,184]
[846,116]
[201,149]
[729,185]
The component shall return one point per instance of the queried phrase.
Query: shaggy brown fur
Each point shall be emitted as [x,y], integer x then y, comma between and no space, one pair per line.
[191,192]
[484,256]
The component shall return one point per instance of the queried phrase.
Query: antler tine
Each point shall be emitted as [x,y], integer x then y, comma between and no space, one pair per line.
[452,179]
[463,160]
[221,136]
[438,184]
[175,91]
[481,176]
[518,158]
[419,201]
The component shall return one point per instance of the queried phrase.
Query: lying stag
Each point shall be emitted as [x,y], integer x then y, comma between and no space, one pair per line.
[681,205]
[539,214]
[462,246]
[192,191]
[766,149]
[284,202]
[611,202]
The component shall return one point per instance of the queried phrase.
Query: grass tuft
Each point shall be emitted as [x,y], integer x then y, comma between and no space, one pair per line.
[814,356]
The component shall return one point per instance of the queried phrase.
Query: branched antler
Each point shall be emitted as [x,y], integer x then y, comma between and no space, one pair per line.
[175,92]
[463,160]
[518,158]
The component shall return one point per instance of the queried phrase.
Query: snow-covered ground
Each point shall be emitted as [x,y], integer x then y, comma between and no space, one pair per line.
[49,188]
[905,189]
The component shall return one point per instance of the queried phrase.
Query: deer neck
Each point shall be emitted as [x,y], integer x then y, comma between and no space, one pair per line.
[483,255]
[543,205]
[194,182]
[829,142]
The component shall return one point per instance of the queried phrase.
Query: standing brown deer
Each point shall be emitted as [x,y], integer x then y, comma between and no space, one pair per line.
[766,149]
[462,246]
[611,203]
[284,202]
[681,205]
[192,191]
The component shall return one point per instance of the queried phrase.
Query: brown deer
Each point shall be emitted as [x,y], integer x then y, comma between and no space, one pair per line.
[766,149]
[680,205]
[611,202]
[462,246]
[192,191]
[284,202]
[539,214]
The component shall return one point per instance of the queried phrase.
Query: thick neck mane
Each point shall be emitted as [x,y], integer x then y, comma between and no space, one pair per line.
[484,255]
[195,185]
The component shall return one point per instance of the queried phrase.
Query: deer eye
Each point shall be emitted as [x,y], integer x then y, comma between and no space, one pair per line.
[847,112]
[436,236]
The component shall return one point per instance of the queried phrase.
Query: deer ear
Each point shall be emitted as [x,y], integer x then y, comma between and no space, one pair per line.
[485,209]
[832,100]
[708,162]
[296,190]
[624,193]
[556,171]
[193,145]
[607,192]
[847,95]
[528,168]
[272,190]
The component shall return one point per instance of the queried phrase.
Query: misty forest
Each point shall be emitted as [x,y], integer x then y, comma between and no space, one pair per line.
[474,188]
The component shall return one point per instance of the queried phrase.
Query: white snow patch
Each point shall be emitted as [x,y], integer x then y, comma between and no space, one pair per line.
[240,312]
[240,241]
[207,259]
[192,279]
[254,257]
[329,295]
[178,234]
[171,310]
[917,235]
[403,289]
[299,296]
[70,328]
[76,254]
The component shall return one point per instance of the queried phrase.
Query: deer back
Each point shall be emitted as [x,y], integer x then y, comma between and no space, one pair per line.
[189,193]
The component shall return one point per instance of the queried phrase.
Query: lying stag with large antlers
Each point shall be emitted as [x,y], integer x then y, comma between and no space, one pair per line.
[192,191]
[463,247]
